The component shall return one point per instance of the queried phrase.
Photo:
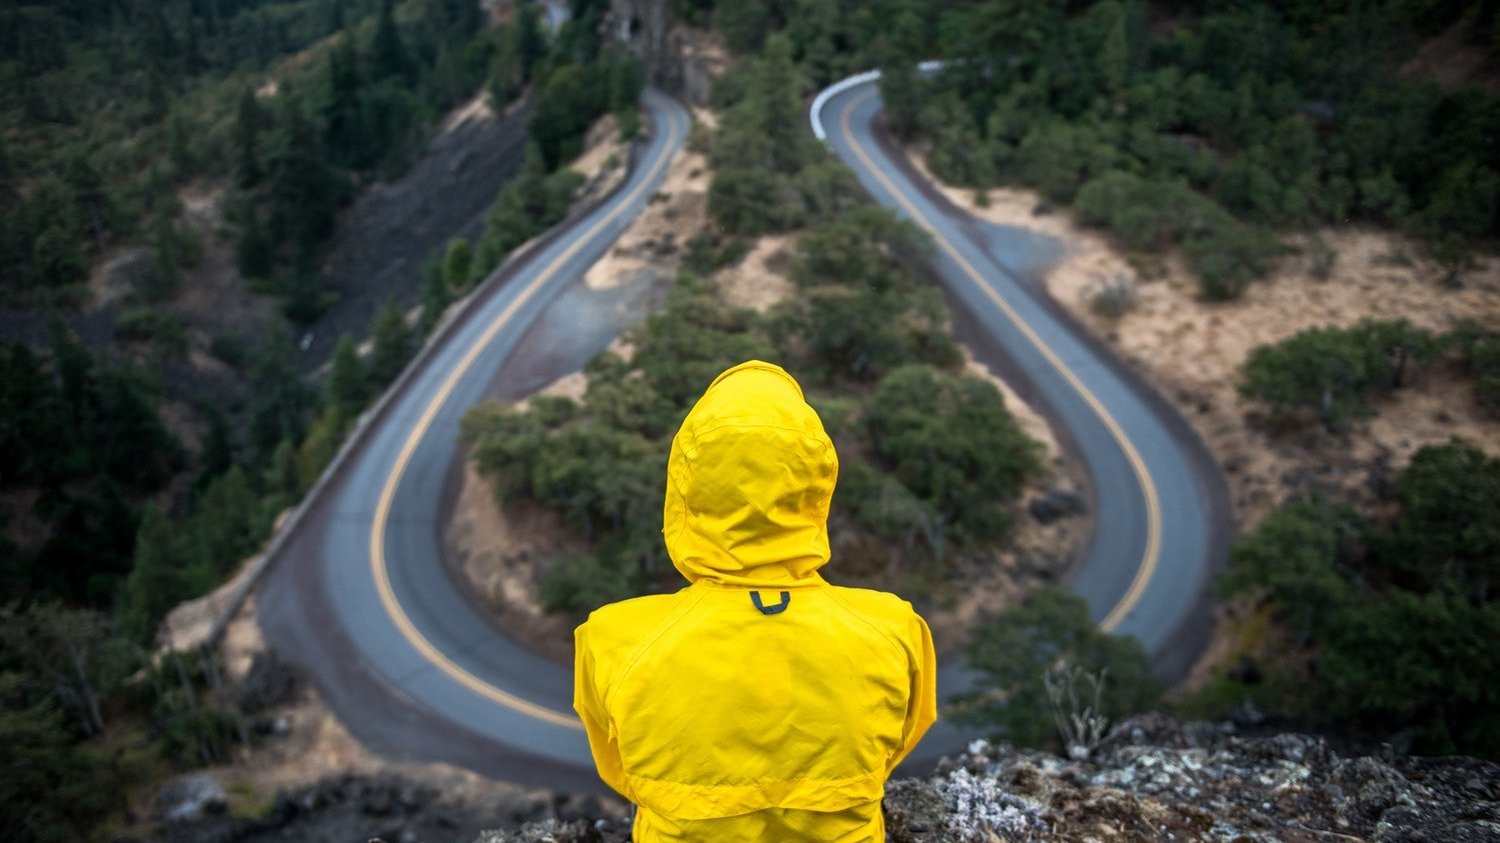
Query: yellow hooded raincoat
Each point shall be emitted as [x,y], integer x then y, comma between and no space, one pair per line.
[760,703]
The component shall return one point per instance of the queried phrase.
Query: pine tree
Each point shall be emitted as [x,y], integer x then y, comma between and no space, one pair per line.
[305,299]
[255,252]
[458,263]
[302,189]
[347,385]
[62,645]
[51,789]
[279,398]
[249,122]
[319,448]
[343,112]
[436,294]
[91,199]
[217,452]
[392,346]
[223,528]
[159,579]
[281,477]
[387,54]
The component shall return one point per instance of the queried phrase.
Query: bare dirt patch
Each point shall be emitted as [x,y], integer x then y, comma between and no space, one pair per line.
[657,236]
[758,280]
[1015,207]
[1453,60]
[602,161]
[1193,352]
[215,299]
[502,551]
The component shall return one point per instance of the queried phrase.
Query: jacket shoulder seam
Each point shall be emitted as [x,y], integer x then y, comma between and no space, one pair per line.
[837,598]
[651,638]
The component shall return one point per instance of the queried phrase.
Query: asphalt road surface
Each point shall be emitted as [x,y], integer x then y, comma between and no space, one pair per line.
[360,597]
[1159,500]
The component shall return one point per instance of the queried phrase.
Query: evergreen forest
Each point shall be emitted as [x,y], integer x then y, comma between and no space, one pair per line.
[1226,132]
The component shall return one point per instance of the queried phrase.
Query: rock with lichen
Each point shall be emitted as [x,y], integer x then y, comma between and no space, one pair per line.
[1154,778]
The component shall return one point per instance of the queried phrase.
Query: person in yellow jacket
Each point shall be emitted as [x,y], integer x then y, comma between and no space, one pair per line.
[760,703]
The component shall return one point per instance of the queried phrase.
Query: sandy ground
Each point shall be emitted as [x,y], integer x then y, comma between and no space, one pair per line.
[758,280]
[603,159]
[501,550]
[1192,351]
[656,238]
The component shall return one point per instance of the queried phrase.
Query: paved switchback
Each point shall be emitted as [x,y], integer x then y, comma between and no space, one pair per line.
[360,596]
[1159,500]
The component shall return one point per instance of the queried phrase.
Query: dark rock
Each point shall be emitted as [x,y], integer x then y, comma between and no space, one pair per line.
[1246,671]
[532,810]
[914,810]
[377,803]
[574,807]
[412,798]
[269,682]
[1056,504]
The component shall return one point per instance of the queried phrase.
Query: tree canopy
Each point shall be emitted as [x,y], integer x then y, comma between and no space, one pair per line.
[1399,610]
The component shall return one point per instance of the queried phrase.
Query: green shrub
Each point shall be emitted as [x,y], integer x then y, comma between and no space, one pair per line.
[163,328]
[1336,372]
[1014,653]
[1227,255]
[1057,158]
[1148,214]
[1400,609]
[951,441]
[711,250]
[1479,351]
[580,584]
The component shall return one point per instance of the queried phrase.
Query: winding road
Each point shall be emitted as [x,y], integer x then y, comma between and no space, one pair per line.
[358,594]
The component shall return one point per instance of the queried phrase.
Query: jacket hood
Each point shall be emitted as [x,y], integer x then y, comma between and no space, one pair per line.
[749,481]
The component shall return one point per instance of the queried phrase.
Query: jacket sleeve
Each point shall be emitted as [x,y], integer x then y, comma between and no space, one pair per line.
[921,705]
[596,722]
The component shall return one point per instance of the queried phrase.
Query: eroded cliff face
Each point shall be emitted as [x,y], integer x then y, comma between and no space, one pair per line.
[1154,778]
[678,59]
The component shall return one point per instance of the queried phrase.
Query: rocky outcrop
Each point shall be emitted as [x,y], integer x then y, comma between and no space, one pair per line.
[387,807]
[680,60]
[1154,778]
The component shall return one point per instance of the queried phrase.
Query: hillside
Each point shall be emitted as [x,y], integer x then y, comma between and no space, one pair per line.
[228,225]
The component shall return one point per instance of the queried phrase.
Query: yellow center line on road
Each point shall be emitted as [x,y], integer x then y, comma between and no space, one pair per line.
[378,566]
[1152,551]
